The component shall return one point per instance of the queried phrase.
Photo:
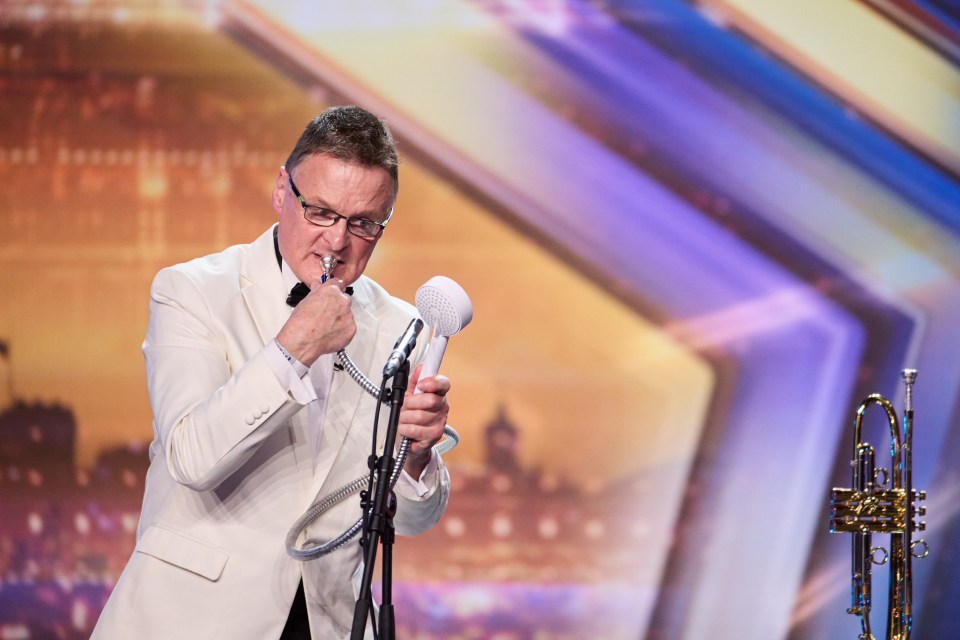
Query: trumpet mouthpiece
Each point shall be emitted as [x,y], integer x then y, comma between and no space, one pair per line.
[328,263]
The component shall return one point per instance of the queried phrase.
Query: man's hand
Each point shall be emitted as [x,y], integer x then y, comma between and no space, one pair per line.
[422,418]
[321,323]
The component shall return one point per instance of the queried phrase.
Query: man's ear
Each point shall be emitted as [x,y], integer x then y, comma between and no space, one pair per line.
[279,190]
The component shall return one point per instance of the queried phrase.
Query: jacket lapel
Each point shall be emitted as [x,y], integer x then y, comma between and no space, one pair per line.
[262,287]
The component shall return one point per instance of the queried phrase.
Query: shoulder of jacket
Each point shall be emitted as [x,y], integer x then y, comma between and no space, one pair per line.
[214,270]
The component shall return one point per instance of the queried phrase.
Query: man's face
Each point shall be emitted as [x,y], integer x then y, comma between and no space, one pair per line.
[351,190]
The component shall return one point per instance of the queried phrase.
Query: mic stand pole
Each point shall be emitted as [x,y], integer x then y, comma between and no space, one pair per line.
[379,523]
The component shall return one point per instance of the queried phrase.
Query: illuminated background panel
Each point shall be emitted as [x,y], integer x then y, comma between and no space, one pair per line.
[865,59]
[936,23]
[187,190]
[585,191]
[731,258]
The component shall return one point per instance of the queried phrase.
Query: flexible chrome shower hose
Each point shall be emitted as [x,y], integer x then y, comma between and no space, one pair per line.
[320,507]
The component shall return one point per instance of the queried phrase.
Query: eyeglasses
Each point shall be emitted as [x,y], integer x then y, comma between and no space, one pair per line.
[360,227]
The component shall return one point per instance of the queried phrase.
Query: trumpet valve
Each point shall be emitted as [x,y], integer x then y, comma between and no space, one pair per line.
[881,477]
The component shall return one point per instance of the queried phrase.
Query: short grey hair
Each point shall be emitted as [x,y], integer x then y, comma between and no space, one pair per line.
[351,134]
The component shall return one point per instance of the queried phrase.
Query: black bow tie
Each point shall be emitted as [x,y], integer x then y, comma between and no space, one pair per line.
[298,293]
[300,290]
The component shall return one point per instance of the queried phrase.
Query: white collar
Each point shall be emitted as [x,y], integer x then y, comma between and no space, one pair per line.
[290,279]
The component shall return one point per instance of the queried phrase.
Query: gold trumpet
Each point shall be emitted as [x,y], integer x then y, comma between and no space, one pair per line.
[869,508]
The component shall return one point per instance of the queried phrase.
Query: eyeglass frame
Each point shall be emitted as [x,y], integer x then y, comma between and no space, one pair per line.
[337,217]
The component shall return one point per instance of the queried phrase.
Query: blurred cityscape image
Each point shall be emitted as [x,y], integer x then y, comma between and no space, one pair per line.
[67,533]
[696,234]
[149,138]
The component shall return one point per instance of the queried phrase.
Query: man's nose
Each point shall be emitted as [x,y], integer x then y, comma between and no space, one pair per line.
[337,235]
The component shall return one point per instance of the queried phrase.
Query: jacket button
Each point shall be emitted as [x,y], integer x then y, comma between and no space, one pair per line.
[251,420]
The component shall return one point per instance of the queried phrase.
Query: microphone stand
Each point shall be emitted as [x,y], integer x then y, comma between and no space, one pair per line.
[379,522]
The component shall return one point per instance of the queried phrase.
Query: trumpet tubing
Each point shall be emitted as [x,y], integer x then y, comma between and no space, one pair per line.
[869,508]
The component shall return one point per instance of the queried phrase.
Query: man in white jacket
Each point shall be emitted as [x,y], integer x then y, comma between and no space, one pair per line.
[252,422]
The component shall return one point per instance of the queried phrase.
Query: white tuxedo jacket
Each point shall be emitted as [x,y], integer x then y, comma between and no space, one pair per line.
[233,465]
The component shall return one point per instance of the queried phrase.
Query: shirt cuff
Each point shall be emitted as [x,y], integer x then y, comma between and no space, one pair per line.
[290,373]
[418,489]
